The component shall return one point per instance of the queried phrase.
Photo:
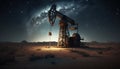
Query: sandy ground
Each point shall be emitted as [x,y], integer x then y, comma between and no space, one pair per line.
[97,56]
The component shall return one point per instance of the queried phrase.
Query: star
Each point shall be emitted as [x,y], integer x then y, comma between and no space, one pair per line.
[28,2]
[9,11]
[117,13]
[117,9]
[21,11]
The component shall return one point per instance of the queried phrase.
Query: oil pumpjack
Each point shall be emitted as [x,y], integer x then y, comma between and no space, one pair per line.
[64,39]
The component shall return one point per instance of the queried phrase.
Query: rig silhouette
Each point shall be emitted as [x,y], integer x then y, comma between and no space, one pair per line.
[65,24]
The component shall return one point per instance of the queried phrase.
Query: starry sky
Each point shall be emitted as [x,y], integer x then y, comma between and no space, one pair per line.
[99,20]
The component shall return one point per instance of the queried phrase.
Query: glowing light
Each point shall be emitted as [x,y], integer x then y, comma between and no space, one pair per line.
[52,49]
[46,48]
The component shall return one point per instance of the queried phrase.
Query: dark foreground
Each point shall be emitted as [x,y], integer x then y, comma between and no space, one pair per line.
[39,56]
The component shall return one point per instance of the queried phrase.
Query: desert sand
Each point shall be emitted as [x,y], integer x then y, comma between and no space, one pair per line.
[27,56]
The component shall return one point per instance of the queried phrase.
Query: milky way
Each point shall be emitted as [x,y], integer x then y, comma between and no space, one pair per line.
[99,20]
[39,18]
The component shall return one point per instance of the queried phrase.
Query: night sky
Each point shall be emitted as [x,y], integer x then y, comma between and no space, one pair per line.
[99,20]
